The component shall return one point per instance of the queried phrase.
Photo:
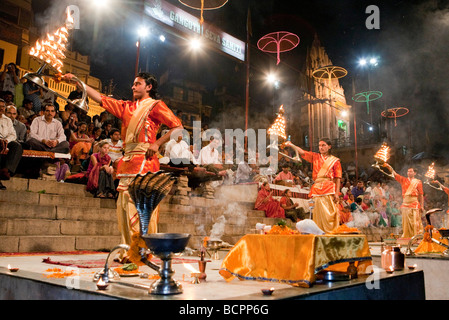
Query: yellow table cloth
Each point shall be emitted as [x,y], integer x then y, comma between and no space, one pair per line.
[293,259]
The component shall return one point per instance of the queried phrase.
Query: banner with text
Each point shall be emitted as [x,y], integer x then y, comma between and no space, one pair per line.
[187,23]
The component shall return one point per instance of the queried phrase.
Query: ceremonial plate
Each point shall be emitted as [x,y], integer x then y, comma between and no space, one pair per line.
[327,275]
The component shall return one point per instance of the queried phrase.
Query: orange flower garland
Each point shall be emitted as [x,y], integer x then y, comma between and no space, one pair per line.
[427,237]
[345,229]
[133,253]
[282,230]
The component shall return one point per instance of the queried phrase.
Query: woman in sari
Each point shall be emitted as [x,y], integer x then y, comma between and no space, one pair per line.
[99,173]
[326,173]
[265,202]
[80,144]
[291,209]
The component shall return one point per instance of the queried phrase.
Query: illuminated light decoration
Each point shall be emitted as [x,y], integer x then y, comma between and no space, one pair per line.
[367,97]
[383,154]
[277,42]
[278,127]
[328,73]
[204,5]
[51,50]
[395,113]
[430,177]
[430,174]
[381,157]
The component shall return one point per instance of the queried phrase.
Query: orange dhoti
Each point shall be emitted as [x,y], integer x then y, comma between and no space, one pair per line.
[411,222]
[325,213]
[141,121]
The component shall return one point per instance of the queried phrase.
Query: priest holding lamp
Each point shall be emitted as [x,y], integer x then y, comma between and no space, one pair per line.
[327,174]
[412,203]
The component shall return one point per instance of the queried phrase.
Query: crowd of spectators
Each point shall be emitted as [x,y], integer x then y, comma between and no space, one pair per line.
[33,120]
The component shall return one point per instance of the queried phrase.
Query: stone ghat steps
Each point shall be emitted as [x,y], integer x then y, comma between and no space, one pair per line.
[43,215]
[38,215]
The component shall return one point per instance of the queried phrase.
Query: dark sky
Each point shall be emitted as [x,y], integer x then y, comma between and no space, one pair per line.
[412,45]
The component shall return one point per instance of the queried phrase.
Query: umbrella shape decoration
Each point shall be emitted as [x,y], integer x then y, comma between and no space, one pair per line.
[367,97]
[277,42]
[395,113]
[204,5]
[328,73]
[147,191]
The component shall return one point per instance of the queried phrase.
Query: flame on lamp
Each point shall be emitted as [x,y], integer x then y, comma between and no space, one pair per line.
[431,172]
[278,127]
[383,154]
[51,50]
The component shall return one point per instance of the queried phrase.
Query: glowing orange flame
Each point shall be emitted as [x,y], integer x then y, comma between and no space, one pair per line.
[51,50]
[278,127]
[383,154]
[431,172]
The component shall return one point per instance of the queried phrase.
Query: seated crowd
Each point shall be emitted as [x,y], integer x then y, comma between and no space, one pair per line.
[70,131]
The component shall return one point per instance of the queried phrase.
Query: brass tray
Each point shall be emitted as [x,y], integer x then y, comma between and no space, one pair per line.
[327,275]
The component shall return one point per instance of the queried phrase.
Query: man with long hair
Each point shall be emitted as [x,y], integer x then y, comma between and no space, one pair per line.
[326,174]
[141,120]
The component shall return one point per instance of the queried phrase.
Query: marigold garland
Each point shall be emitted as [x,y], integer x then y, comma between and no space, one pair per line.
[427,237]
[345,229]
[134,251]
[282,230]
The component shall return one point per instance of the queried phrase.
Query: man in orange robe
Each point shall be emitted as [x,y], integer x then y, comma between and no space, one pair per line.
[327,174]
[141,120]
[412,202]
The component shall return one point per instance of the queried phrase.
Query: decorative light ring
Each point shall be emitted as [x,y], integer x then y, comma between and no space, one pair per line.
[395,113]
[204,5]
[277,42]
[367,96]
[329,72]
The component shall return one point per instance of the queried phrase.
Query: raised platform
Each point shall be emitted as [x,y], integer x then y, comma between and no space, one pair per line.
[31,282]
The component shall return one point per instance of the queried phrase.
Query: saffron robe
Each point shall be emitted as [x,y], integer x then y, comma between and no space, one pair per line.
[325,170]
[141,121]
[272,207]
[410,208]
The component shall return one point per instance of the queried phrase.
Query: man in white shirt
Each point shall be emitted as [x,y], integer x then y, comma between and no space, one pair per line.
[209,154]
[115,145]
[178,151]
[47,133]
[10,150]
[19,127]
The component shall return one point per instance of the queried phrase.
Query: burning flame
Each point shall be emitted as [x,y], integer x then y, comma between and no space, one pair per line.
[51,50]
[383,154]
[431,172]
[278,127]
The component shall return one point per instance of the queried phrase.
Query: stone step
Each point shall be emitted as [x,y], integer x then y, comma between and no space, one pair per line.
[27,197]
[39,227]
[14,210]
[47,186]
[50,243]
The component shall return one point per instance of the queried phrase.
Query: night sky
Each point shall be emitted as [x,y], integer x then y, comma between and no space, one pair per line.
[411,45]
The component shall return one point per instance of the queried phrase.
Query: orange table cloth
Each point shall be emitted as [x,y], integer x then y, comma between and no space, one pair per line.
[293,259]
